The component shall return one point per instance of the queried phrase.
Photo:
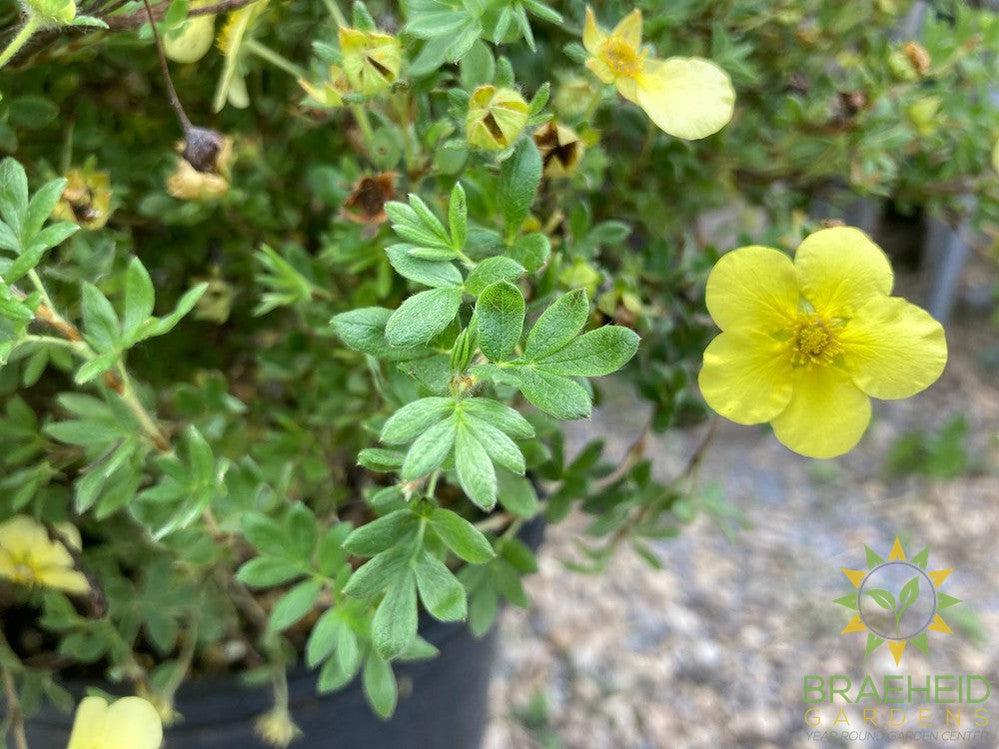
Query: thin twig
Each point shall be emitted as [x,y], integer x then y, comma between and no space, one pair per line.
[178,108]
[98,598]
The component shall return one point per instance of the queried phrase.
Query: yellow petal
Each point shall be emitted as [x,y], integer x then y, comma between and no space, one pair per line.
[629,29]
[61,578]
[599,68]
[753,287]
[746,377]
[593,37]
[89,724]
[841,268]
[893,349]
[133,723]
[687,97]
[827,414]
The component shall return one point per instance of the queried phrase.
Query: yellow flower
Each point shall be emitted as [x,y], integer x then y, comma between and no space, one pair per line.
[128,723]
[57,12]
[371,59]
[804,344]
[215,156]
[687,97]
[496,116]
[29,557]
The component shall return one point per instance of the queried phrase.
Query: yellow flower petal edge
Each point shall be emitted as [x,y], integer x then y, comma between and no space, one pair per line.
[841,268]
[894,349]
[745,378]
[686,97]
[128,723]
[753,287]
[806,344]
[827,414]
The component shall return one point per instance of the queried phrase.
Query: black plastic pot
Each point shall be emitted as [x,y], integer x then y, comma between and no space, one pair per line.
[442,702]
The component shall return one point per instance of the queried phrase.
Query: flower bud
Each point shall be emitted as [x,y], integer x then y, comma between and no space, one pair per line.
[561,149]
[923,114]
[918,57]
[371,59]
[572,96]
[86,200]
[328,94]
[192,41]
[496,116]
[366,202]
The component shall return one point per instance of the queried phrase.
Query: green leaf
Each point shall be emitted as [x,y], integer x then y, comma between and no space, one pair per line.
[433,273]
[295,604]
[414,419]
[430,450]
[94,367]
[394,624]
[139,296]
[442,595]
[558,325]
[381,534]
[593,354]
[476,473]
[555,395]
[302,532]
[423,316]
[457,216]
[323,638]
[517,495]
[499,415]
[100,323]
[461,537]
[520,177]
[416,223]
[267,571]
[372,577]
[380,686]
[185,304]
[13,194]
[491,270]
[500,312]
[377,459]
[531,250]
[500,448]
[364,330]
[265,534]
[40,207]
[907,596]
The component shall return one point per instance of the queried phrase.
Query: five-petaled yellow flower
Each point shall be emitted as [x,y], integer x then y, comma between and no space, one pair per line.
[29,557]
[688,97]
[128,723]
[804,344]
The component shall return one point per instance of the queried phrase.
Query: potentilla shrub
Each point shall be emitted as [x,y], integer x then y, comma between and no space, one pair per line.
[295,298]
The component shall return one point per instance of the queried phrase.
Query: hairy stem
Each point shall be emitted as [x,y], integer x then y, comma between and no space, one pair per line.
[178,108]
[31,25]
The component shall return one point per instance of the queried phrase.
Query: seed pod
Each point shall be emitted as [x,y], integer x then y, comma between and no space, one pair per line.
[193,40]
[561,149]
[371,59]
[496,117]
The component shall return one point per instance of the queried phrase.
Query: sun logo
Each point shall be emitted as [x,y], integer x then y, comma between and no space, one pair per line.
[897,601]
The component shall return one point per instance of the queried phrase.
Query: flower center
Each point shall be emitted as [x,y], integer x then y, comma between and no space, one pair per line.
[621,57]
[814,342]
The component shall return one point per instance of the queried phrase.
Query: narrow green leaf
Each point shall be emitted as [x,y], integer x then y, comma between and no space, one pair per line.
[430,450]
[433,273]
[499,415]
[139,296]
[461,537]
[500,448]
[442,595]
[380,686]
[382,533]
[491,270]
[476,473]
[413,419]
[295,604]
[100,323]
[423,316]
[593,354]
[520,177]
[558,325]
[500,312]
[394,624]
[458,216]
[555,395]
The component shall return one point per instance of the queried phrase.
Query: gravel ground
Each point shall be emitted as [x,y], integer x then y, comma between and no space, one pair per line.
[711,650]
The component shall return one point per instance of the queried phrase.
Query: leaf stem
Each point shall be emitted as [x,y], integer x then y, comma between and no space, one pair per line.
[364,123]
[31,24]
[275,59]
[178,108]
[338,16]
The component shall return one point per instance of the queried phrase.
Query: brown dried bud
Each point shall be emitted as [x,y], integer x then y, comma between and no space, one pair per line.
[202,148]
[560,147]
[366,202]
[852,102]
[918,57]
